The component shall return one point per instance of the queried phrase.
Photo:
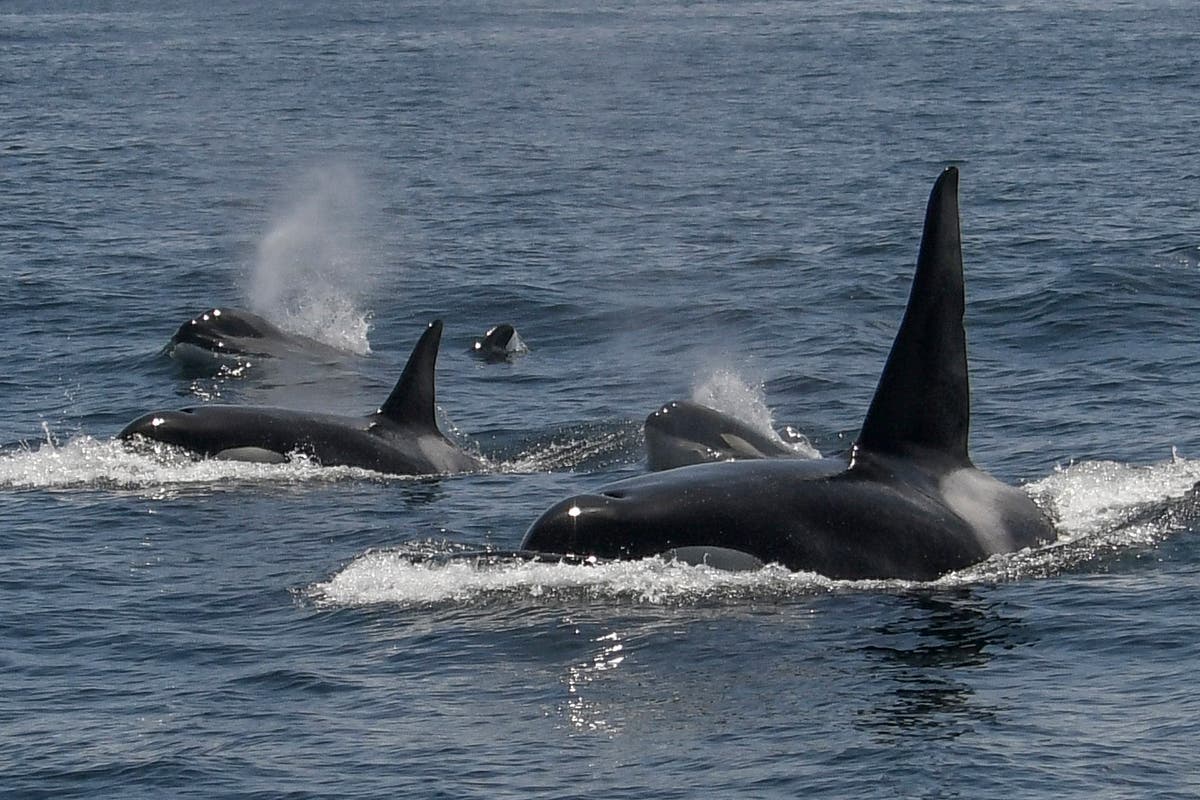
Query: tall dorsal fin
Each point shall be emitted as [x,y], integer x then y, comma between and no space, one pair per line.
[412,401]
[922,402]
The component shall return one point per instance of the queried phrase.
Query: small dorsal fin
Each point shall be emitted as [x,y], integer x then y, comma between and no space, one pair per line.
[922,402]
[412,401]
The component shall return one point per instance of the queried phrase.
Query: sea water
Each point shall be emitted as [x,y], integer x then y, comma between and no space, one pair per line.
[668,200]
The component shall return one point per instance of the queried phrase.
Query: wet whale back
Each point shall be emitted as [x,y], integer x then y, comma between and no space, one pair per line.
[907,503]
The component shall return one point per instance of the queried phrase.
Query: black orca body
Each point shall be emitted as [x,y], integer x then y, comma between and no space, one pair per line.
[401,438]
[906,502]
[684,432]
[233,333]
[500,343]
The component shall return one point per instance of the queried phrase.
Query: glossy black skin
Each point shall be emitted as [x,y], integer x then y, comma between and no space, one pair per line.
[371,442]
[234,332]
[907,503]
[684,432]
[882,519]
[401,438]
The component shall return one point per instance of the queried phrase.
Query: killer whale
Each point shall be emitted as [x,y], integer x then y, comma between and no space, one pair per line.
[684,432]
[905,502]
[500,343]
[234,333]
[401,438]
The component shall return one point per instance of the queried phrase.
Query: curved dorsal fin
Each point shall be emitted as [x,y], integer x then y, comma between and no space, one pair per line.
[412,401]
[922,402]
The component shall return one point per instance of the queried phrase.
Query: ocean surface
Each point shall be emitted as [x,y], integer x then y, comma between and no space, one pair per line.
[712,200]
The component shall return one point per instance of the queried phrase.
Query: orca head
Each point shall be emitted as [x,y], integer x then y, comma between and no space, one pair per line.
[629,524]
[603,524]
[223,331]
[178,428]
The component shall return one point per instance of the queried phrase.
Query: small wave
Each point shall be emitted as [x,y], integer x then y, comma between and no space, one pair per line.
[87,463]
[1092,497]
[396,578]
[1104,509]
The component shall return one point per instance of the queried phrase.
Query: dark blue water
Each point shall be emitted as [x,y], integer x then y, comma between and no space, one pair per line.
[719,200]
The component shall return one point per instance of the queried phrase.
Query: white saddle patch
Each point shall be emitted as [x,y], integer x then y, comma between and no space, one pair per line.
[979,499]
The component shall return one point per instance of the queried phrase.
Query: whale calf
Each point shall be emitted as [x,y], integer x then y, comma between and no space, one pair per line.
[684,432]
[401,438]
[906,502]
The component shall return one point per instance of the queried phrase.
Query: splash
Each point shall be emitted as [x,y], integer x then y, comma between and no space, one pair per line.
[1103,508]
[1092,497]
[726,392]
[312,272]
[394,577]
[87,463]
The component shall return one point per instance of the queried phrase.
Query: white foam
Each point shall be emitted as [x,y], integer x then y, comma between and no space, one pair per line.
[1098,506]
[1093,502]
[393,577]
[1092,496]
[87,463]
